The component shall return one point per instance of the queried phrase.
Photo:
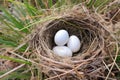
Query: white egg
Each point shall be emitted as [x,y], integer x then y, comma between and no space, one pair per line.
[61,37]
[74,43]
[62,51]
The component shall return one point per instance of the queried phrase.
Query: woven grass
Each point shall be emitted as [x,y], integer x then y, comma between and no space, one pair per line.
[91,62]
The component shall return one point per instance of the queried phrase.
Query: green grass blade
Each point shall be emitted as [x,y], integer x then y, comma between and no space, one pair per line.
[31,10]
[42,5]
[40,21]
[12,28]
[9,18]
[90,4]
[15,60]
[50,3]
[100,2]
[18,74]
[10,43]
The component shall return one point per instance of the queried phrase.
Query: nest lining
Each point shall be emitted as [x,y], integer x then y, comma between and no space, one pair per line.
[85,63]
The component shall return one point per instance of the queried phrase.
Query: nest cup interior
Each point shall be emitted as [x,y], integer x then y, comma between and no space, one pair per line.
[83,29]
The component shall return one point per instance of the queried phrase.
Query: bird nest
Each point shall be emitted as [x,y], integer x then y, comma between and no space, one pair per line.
[91,62]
